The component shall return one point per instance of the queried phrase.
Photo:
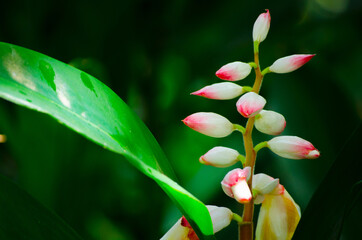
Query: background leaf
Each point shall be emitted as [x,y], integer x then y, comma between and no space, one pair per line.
[22,217]
[336,198]
[90,108]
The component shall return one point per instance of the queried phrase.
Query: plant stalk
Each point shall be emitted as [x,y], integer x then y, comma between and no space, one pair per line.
[246,229]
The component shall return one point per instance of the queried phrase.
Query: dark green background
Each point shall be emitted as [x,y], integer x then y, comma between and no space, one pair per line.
[153,54]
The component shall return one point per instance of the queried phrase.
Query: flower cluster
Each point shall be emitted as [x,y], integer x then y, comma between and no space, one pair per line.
[279,214]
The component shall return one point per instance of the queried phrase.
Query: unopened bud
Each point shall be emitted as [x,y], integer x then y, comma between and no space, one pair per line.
[235,184]
[250,104]
[261,27]
[234,71]
[210,124]
[270,122]
[290,63]
[220,217]
[220,91]
[293,147]
[220,157]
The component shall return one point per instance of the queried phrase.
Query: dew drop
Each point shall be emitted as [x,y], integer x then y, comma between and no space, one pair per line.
[48,73]
[87,82]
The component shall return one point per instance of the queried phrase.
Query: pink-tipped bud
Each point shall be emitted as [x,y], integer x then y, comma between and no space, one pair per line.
[234,71]
[270,122]
[293,147]
[250,104]
[210,124]
[235,184]
[261,27]
[290,63]
[220,157]
[220,91]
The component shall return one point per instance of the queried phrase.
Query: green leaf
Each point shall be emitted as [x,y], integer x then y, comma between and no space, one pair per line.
[22,217]
[90,108]
[337,195]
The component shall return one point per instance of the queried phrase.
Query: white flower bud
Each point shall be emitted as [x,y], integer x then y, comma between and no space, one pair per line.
[250,104]
[293,147]
[220,157]
[234,71]
[261,27]
[210,124]
[220,217]
[220,91]
[290,63]
[270,122]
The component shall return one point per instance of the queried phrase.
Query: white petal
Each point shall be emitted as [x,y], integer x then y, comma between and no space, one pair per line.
[241,192]
[264,184]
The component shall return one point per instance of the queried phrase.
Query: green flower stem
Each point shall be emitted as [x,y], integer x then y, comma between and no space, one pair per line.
[241,158]
[237,218]
[265,71]
[260,146]
[256,49]
[252,64]
[247,89]
[246,230]
[239,128]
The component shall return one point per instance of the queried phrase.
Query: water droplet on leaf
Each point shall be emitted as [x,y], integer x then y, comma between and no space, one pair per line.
[48,73]
[87,82]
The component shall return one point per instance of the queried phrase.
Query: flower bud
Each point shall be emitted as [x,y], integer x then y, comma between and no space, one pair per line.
[250,104]
[220,91]
[261,27]
[235,184]
[210,124]
[220,216]
[234,71]
[220,157]
[290,63]
[270,122]
[293,147]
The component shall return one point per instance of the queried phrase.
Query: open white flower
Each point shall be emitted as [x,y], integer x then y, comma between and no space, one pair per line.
[279,214]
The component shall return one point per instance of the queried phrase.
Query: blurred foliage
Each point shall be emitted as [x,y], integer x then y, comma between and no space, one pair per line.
[153,54]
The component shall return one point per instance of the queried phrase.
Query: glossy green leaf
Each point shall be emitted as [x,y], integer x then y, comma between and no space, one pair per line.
[329,209]
[90,108]
[22,217]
